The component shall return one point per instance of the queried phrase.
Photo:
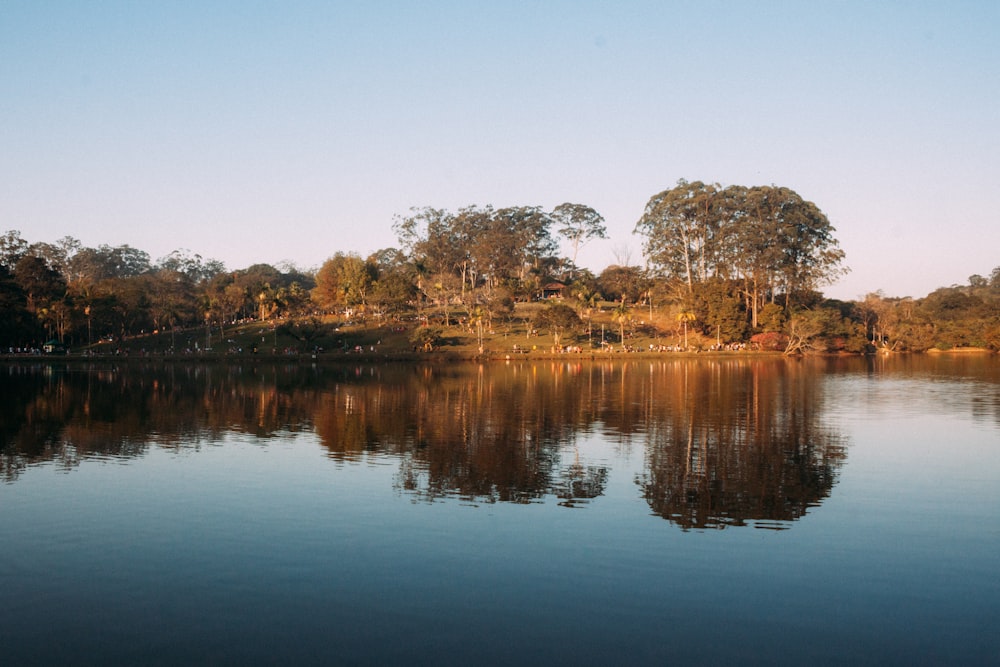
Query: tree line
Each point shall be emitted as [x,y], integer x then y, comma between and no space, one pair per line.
[732,264]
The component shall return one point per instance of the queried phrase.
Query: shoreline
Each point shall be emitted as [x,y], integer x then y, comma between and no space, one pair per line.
[445,356]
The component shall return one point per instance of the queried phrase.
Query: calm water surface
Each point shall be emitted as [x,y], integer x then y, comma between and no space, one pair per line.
[644,512]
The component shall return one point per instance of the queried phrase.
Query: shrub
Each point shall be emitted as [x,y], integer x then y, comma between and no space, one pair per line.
[771,341]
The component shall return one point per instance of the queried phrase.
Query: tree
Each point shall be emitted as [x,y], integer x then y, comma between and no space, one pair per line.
[622,316]
[578,224]
[17,325]
[558,318]
[226,298]
[881,320]
[680,226]
[684,317]
[768,237]
[508,243]
[106,262]
[587,299]
[622,282]
[130,305]
[477,245]
[306,330]
[41,285]
[438,245]
[785,244]
[719,306]
[55,256]
[392,292]
[12,248]
[477,319]
[191,265]
[426,338]
[344,280]
[496,303]
[171,299]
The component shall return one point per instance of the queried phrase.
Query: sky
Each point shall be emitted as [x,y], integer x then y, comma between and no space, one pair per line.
[287,131]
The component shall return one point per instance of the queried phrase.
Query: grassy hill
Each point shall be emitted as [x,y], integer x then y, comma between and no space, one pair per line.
[458,336]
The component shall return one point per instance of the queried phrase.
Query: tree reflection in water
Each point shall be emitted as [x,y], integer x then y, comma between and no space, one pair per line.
[740,443]
[727,442]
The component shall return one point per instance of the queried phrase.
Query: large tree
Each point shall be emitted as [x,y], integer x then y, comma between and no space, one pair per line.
[768,237]
[478,245]
[558,319]
[680,225]
[437,243]
[17,325]
[41,284]
[344,280]
[578,224]
[12,248]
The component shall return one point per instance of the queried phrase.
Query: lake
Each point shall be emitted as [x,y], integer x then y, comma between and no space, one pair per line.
[727,510]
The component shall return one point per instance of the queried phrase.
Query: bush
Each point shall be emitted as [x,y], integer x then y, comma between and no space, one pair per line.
[771,341]
[426,338]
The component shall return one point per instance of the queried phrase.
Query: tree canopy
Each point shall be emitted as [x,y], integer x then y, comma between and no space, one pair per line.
[768,239]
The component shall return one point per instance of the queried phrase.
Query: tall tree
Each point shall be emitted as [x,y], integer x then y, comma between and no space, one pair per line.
[191,265]
[768,237]
[785,244]
[437,243]
[622,282]
[104,262]
[558,319]
[578,224]
[510,242]
[41,284]
[680,225]
[343,280]
[16,324]
[12,248]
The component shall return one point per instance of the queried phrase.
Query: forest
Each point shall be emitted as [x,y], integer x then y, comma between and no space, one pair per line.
[724,268]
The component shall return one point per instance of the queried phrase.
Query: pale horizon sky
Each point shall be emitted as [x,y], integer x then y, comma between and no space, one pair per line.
[287,131]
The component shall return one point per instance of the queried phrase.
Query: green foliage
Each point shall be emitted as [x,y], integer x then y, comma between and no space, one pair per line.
[558,319]
[12,248]
[770,341]
[734,260]
[949,304]
[579,224]
[823,329]
[768,238]
[496,304]
[623,282]
[771,317]
[344,280]
[719,307]
[478,245]
[311,331]
[393,293]
[426,338]
[16,323]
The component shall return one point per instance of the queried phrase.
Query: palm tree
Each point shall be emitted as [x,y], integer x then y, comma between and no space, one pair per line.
[478,318]
[622,315]
[684,317]
[588,300]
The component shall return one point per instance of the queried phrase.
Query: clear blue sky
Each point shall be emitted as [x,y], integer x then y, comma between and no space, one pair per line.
[270,131]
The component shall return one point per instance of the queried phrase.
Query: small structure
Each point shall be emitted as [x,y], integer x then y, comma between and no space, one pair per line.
[53,347]
[553,290]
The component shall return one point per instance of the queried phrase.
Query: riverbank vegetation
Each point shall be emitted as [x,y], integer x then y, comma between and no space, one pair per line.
[728,269]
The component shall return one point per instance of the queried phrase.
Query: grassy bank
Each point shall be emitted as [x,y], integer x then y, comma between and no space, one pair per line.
[457,336]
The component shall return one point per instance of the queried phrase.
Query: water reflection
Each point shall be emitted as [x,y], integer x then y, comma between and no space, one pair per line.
[741,443]
[724,442]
